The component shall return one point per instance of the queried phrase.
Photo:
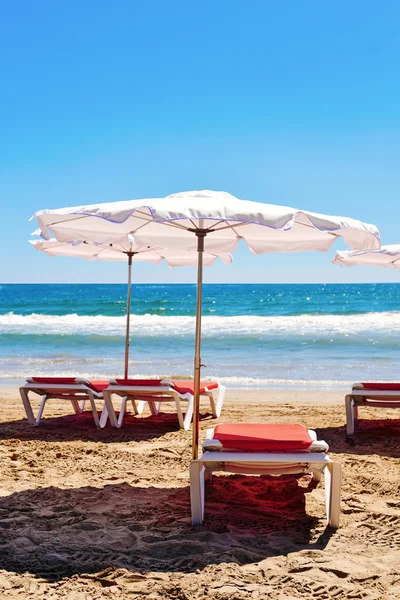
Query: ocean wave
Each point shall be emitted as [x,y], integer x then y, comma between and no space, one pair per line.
[316,325]
[280,383]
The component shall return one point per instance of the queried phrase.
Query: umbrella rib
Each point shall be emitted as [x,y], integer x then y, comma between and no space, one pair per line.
[165,223]
[176,225]
[218,223]
[73,217]
[161,223]
[229,226]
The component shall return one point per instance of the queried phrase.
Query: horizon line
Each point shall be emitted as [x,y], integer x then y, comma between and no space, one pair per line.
[194,284]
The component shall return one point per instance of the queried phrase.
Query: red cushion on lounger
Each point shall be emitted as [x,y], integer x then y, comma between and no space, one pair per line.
[181,386]
[99,386]
[372,385]
[187,387]
[50,380]
[263,437]
[139,382]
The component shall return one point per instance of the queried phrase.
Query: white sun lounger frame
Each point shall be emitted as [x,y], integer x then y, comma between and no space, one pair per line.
[367,397]
[155,396]
[312,461]
[77,393]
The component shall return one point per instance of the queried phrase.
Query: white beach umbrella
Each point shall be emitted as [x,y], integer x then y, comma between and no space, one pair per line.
[386,256]
[125,250]
[211,221]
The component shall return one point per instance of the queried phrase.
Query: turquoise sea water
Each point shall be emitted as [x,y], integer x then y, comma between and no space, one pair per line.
[253,335]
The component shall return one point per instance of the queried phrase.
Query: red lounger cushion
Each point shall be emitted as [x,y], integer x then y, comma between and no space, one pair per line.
[187,387]
[372,385]
[49,380]
[263,437]
[181,386]
[97,386]
[139,382]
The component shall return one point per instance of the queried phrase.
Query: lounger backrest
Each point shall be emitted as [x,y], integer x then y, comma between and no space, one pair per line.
[98,385]
[187,387]
[139,382]
[179,385]
[383,385]
[50,380]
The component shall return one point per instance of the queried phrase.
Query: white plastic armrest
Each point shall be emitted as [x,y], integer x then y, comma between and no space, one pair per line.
[318,446]
[212,445]
[82,380]
[210,433]
[312,435]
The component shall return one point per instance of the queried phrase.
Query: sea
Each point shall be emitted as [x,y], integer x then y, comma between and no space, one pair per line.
[278,336]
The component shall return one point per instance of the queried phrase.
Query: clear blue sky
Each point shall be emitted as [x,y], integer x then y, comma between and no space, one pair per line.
[285,102]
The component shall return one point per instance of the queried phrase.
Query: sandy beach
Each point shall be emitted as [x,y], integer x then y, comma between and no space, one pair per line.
[89,514]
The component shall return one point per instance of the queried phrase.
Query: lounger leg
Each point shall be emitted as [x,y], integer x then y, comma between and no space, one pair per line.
[212,404]
[196,470]
[94,409]
[110,408]
[189,413]
[349,416]
[82,406]
[355,414]
[134,406]
[153,408]
[122,410]
[103,417]
[220,400]
[27,406]
[75,406]
[333,476]
[140,406]
[41,409]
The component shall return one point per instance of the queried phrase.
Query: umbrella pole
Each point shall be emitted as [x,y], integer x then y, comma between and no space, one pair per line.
[128,316]
[201,234]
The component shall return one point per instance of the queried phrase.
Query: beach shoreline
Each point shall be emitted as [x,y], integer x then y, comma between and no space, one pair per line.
[239,395]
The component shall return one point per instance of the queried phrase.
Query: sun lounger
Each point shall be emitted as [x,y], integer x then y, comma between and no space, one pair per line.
[76,390]
[264,449]
[376,394]
[157,391]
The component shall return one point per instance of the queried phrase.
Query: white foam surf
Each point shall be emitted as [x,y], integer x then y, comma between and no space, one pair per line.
[385,323]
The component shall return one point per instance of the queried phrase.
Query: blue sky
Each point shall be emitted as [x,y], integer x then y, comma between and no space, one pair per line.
[292,103]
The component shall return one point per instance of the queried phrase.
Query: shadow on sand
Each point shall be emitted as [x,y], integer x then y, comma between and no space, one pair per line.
[372,436]
[81,427]
[54,533]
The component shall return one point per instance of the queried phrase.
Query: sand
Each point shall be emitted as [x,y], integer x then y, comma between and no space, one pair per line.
[87,514]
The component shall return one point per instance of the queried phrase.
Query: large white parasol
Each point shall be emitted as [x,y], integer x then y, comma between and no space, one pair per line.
[386,256]
[211,221]
[125,250]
